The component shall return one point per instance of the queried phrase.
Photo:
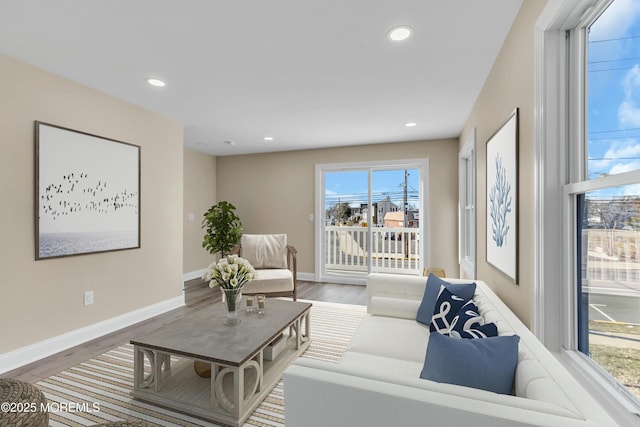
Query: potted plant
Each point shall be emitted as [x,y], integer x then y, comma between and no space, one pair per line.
[223,229]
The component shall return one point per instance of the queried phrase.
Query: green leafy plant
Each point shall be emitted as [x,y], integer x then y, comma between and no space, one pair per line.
[223,229]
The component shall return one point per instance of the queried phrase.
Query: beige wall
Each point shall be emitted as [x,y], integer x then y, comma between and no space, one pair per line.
[275,192]
[199,195]
[509,85]
[42,299]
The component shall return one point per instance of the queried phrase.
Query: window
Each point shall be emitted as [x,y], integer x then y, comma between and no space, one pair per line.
[467,203]
[588,156]
[607,213]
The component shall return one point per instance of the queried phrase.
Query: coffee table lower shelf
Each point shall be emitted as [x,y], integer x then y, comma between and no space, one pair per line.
[174,384]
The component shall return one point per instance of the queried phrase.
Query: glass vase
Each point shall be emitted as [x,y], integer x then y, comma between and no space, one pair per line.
[231,299]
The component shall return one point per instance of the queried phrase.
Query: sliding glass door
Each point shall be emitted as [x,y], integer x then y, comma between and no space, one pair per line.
[369,219]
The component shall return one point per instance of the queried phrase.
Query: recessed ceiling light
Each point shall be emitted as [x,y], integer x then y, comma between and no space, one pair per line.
[268,138]
[398,34]
[410,124]
[156,82]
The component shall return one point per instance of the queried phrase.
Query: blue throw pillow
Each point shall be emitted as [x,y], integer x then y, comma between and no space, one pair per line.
[488,364]
[477,331]
[447,307]
[431,291]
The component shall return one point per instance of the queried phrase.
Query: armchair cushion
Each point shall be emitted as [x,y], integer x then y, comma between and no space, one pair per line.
[270,280]
[265,250]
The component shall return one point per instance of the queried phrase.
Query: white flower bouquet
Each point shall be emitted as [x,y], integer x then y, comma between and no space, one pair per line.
[231,272]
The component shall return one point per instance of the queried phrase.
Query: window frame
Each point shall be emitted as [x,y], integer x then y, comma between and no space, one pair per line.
[467,206]
[422,164]
[559,136]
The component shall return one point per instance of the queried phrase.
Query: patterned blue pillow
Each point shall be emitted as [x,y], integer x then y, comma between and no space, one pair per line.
[467,317]
[477,331]
[447,306]
[488,364]
[469,323]
[431,291]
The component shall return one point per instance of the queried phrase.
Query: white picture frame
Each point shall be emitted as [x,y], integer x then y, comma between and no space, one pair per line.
[502,198]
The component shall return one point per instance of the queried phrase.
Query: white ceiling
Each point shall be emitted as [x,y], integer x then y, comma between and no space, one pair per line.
[309,73]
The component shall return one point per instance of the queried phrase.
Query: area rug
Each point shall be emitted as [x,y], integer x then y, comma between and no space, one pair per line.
[97,390]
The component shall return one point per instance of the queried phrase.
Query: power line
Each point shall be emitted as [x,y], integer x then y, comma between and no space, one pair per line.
[615,137]
[613,130]
[612,69]
[613,40]
[614,60]
[613,158]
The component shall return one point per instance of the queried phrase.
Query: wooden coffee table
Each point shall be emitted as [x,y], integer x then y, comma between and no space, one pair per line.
[240,377]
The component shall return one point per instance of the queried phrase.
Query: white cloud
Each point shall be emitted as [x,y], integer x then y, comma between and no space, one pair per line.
[616,20]
[620,157]
[629,114]
[628,111]
[631,190]
[624,167]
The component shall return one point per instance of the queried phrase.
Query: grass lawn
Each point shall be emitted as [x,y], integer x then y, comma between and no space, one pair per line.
[613,327]
[622,363]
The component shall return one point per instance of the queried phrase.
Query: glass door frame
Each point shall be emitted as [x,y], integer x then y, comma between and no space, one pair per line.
[422,165]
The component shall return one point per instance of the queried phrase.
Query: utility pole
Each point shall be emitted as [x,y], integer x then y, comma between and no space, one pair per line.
[404,199]
[406,215]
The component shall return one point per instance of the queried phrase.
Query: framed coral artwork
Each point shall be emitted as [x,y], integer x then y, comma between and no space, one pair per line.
[502,198]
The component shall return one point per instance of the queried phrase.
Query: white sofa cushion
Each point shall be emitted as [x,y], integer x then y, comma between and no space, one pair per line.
[379,366]
[394,307]
[391,337]
[265,250]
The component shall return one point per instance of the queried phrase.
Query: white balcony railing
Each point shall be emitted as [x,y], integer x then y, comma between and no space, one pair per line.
[392,250]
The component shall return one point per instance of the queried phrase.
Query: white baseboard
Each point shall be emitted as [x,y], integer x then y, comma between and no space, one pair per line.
[309,277]
[193,275]
[33,352]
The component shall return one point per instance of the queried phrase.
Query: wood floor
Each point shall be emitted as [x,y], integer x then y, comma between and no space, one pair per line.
[197,297]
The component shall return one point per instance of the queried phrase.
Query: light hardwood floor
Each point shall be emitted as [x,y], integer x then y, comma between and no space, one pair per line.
[197,296]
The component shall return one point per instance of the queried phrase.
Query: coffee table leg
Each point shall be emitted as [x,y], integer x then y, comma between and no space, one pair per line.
[138,367]
[300,336]
[238,390]
[156,360]
[307,327]
[260,370]
[214,394]
[156,367]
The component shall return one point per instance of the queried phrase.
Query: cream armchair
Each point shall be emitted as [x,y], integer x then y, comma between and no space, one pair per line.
[275,264]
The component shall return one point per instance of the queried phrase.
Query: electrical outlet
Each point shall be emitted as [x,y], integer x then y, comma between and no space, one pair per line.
[191,217]
[311,217]
[88,297]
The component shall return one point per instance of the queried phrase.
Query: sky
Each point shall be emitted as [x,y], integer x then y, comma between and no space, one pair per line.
[614,92]
[352,186]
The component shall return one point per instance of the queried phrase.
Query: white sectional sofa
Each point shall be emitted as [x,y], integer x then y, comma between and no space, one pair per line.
[377,382]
